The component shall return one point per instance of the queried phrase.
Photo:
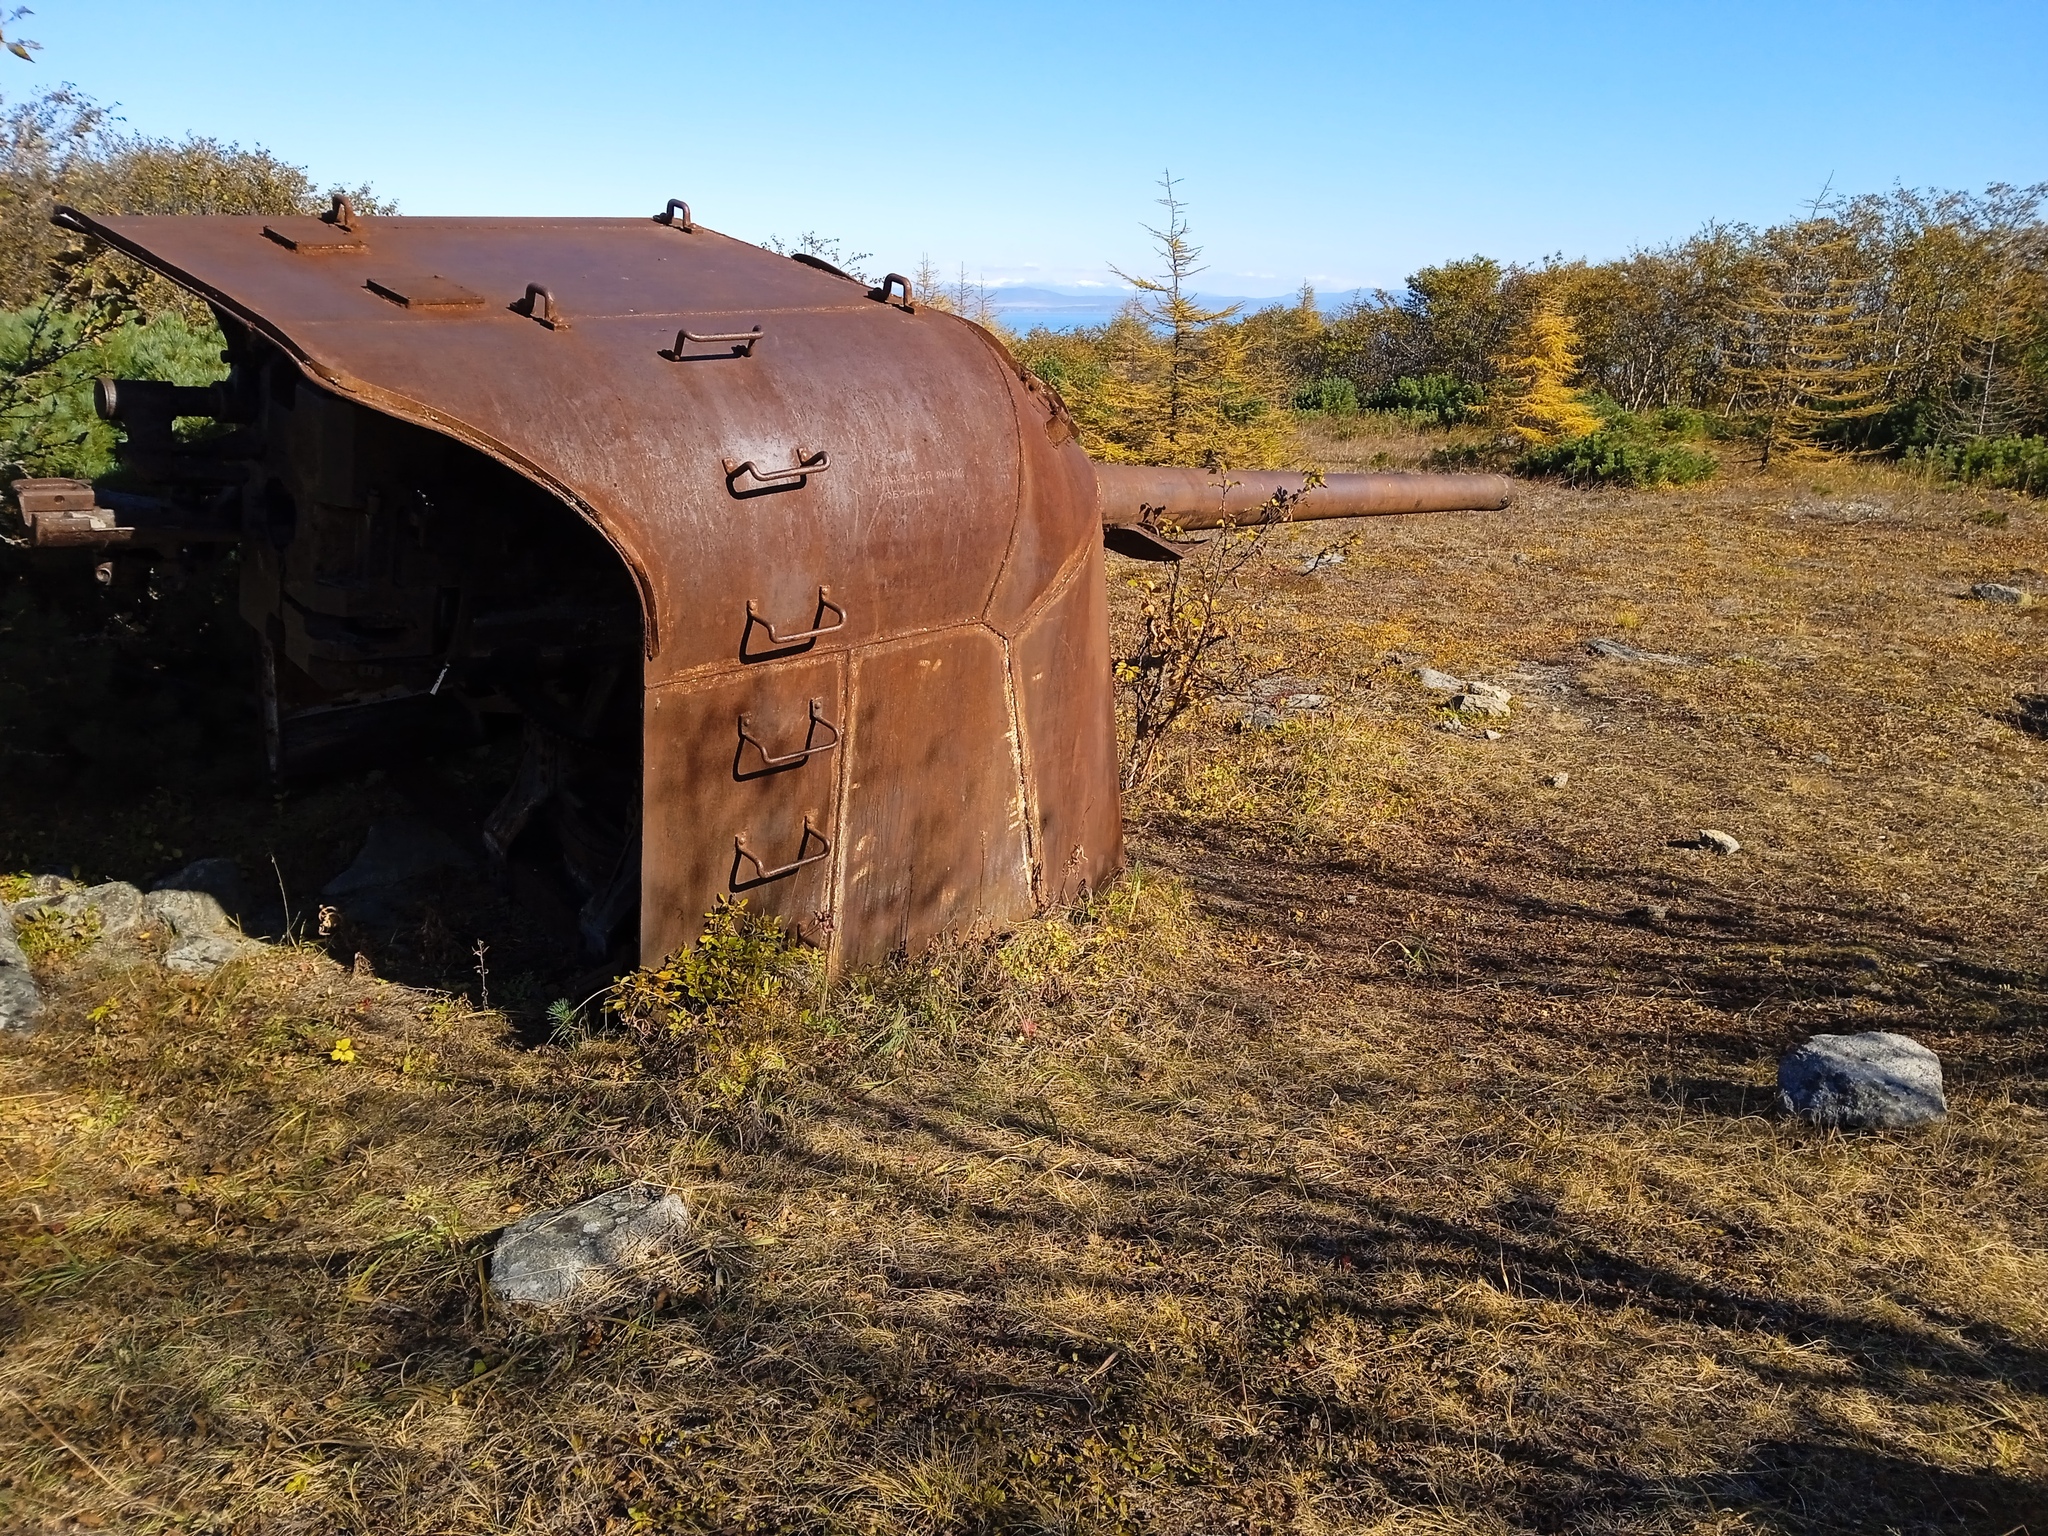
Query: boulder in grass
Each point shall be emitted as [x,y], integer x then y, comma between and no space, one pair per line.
[1999,592]
[1483,699]
[1871,1081]
[550,1259]
[219,878]
[1439,682]
[20,999]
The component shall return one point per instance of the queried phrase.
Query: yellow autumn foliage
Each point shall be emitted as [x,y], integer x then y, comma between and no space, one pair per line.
[1532,396]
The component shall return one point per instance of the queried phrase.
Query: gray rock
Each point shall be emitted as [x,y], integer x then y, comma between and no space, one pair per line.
[1439,682]
[203,936]
[1996,592]
[118,904]
[20,999]
[396,851]
[188,914]
[206,937]
[551,1258]
[207,953]
[1305,700]
[1871,1081]
[1559,780]
[1483,699]
[1714,839]
[1259,717]
[1318,561]
[1621,650]
[1492,735]
[218,878]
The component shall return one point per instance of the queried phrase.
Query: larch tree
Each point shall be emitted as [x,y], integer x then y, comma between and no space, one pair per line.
[1184,387]
[1532,395]
[1804,339]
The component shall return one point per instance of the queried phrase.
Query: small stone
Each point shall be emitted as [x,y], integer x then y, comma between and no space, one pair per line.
[1439,682]
[1305,700]
[1491,735]
[1259,717]
[1997,592]
[550,1258]
[1719,841]
[1871,1081]
[1479,700]
[1320,560]
[21,1000]
[1452,724]
[1649,912]
[1558,780]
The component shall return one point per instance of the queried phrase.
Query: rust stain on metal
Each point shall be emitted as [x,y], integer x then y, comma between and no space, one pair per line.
[792,589]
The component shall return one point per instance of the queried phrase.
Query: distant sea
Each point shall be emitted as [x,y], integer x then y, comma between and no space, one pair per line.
[1066,309]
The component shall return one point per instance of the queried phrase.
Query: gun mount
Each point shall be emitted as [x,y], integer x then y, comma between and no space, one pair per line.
[792,587]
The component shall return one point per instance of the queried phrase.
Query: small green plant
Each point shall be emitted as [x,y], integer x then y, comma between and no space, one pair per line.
[565,1022]
[2000,463]
[50,936]
[715,1011]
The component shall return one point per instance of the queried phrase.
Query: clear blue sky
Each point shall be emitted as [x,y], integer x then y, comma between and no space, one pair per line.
[1347,144]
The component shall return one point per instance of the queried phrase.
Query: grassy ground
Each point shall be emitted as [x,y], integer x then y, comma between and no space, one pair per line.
[1393,1150]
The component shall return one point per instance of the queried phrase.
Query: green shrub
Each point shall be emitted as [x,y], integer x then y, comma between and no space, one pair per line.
[2004,463]
[1442,397]
[1333,395]
[1618,455]
[47,423]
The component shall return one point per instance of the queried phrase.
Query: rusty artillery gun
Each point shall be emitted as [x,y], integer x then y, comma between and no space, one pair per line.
[793,586]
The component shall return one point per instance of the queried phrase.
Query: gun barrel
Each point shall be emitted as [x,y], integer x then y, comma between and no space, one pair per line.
[1146,495]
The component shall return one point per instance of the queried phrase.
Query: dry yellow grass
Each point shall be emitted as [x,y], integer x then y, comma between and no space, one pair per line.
[1371,1159]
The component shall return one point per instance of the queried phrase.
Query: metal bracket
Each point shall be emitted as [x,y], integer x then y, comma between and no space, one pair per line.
[746,723]
[763,874]
[895,280]
[539,305]
[668,216]
[342,215]
[798,474]
[825,605]
[742,342]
